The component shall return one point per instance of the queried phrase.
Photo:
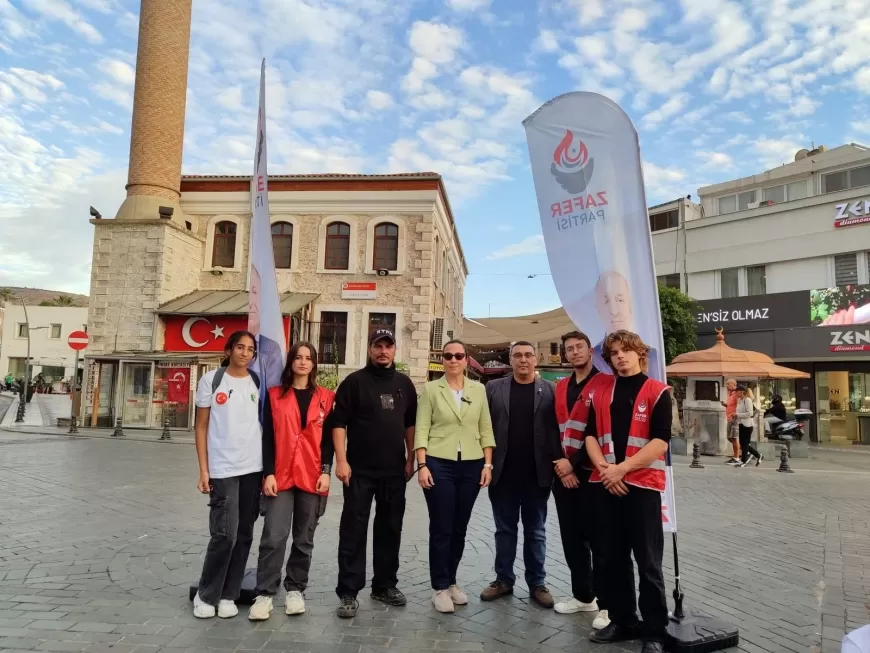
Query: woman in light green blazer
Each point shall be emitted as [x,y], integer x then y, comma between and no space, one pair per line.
[454,443]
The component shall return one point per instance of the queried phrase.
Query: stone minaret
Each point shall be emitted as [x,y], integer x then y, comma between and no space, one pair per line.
[157,133]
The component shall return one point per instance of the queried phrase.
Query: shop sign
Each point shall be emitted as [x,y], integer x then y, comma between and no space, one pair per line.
[846,341]
[359,290]
[852,213]
[753,313]
[436,367]
[174,363]
[204,333]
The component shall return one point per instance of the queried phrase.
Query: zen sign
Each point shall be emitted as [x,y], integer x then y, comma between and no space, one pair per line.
[844,341]
[852,213]
[755,312]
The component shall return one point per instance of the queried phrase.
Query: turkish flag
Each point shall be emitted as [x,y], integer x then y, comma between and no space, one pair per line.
[178,379]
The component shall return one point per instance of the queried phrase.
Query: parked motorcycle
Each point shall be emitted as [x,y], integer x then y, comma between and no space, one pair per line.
[790,429]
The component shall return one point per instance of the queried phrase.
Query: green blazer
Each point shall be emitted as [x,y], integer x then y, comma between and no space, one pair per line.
[442,425]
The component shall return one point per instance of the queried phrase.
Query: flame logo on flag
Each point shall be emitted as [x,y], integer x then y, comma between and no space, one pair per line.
[571,165]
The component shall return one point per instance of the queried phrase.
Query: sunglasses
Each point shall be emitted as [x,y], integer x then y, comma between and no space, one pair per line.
[450,357]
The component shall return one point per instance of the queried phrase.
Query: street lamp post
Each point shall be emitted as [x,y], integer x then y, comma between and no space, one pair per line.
[27,360]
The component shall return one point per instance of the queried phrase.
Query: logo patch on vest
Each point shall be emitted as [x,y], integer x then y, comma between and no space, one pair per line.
[641,407]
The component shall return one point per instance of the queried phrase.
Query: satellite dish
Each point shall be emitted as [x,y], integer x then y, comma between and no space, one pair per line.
[801,154]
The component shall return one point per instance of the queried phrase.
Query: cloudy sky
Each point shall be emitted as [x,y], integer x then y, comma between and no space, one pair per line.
[717,88]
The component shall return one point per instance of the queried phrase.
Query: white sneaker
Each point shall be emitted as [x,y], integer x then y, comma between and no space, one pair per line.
[572,606]
[602,620]
[442,601]
[227,609]
[201,609]
[457,595]
[294,603]
[262,608]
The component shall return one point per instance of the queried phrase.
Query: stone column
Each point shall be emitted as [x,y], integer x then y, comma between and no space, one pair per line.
[157,132]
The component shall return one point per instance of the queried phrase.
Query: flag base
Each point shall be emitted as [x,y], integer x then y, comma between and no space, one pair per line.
[696,632]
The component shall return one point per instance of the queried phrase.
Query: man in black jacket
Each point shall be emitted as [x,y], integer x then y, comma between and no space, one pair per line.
[373,432]
[523,413]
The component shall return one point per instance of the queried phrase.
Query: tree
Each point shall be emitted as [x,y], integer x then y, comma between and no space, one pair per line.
[60,300]
[6,295]
[679,321]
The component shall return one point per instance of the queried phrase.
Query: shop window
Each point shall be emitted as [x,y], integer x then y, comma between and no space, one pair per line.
[52,373]
[55,332]
[16,367]
[282,244]
[224,248]
[386,255]
[756,280]
[706,391]
[669,280]
[845,179]
[846,269]
[382,321]
[728,281]
[333,337]
[666,220]
[337,246]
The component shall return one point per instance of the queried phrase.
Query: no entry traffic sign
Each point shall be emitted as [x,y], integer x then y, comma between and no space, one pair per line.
[78,340]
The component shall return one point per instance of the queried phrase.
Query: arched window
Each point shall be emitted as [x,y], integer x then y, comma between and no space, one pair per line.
[282,244]
[386,247]
[337,246]
[223,253]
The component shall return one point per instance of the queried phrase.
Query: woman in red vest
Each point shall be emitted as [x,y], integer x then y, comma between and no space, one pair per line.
[628,430]
[297,463]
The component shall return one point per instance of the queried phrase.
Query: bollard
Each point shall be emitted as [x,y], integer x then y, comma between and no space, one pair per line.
[73,426]
[119,431]
[19,414]
[783,461]
[696,457]
[165,435]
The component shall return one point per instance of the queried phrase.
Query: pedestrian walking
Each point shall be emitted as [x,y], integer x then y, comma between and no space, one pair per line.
[373,434]
[571,490]
[297,464]
[453,443]
[744,414]
[523,413]
[628,431]
[230,452]
[732,432]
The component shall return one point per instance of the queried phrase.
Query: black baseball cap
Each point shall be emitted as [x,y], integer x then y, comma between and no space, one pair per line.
[382,334]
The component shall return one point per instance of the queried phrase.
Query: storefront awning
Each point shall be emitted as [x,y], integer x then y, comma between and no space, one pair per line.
[182,358]
[228,302]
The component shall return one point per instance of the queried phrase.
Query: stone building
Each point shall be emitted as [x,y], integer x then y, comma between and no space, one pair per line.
[170,271]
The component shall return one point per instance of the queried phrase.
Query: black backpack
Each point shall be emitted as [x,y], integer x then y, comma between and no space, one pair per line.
[219,375]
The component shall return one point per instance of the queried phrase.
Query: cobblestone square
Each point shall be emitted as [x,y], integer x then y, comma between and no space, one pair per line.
[100,538]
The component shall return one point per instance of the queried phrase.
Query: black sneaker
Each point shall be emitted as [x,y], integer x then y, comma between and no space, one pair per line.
[390,596]
[760,459]
[348,607]
[652,646]
[615,633]
[732,461]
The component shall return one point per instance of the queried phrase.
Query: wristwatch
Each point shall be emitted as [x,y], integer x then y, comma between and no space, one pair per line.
[326,469]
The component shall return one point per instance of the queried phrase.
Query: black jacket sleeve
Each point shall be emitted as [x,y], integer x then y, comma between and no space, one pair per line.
[553,425]
[327,448]
[661,418]
[268,438]
[411,410]
[343,407]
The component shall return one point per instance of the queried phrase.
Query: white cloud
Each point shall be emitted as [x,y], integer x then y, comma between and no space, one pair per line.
[775,152]
[862,80]
[527,246]
[379,100]
[548,41]
[231,98]
[30,85]
[435,42]
[120,71]
[670,108]
[61,11]
[804,106]
[468,5]
[664,182]
[121,96]
[717,160]
[504,228]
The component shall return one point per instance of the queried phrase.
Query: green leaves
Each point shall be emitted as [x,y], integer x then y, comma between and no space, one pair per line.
[679,319]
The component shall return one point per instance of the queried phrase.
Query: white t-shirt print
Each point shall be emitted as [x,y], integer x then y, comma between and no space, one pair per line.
[235,437]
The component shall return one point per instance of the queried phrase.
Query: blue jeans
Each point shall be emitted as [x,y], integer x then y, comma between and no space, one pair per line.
[450,501]
[509,503]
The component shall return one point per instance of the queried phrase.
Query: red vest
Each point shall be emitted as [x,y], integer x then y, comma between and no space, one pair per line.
[297,452]
[653,476]
[572,426]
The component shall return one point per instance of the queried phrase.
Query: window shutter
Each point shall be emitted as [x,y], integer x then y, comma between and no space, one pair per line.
[437,333]
[846,269]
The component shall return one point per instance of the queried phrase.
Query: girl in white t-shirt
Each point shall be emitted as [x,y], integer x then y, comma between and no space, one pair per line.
[230,451]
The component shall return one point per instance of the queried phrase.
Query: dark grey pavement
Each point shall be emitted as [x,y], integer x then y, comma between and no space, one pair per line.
[99,539]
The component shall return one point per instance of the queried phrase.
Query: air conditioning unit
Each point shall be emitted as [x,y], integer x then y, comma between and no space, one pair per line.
[753,205]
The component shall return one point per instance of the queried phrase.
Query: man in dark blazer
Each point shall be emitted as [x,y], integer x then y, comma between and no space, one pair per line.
[526,429]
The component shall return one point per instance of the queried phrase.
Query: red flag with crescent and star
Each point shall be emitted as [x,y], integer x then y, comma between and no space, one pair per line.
[178,390]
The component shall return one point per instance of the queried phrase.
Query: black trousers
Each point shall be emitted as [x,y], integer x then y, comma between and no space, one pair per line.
[746,447]
[581,548]
[235,506]
[389,497]
[633,525]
